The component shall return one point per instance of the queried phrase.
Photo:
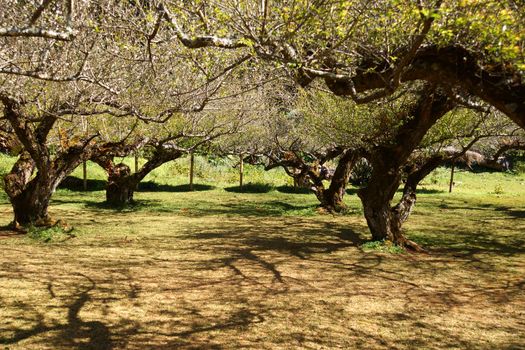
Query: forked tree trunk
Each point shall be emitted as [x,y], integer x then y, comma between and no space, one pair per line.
[121,182]
[30,197]
[332,198]
[376,198]
[385,222]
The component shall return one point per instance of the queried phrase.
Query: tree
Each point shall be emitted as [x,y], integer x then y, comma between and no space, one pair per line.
[30,195]
[363,52]
[105,70]
[172,140]
[42,20]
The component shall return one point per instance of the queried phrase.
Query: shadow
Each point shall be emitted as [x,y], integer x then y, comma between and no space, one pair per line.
[8,231]
[136,205]
[259,209]
[73,183]
[310,241]
[426,191]
[76,333]
[283,206]
[517,214]
[293,190]
[352,191]
[150,186]
[251,188]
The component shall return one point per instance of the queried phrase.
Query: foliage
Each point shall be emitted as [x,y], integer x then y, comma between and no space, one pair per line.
[55,233]
[361,173]
[382,247]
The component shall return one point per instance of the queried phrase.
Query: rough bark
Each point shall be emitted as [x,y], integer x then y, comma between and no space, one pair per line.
[312,174]
[454,68]
[30,196]
[122,183]
[332,198]
[387,160]
[120,187]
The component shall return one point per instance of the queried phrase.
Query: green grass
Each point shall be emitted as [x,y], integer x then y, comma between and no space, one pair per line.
[219,269]
[382,247]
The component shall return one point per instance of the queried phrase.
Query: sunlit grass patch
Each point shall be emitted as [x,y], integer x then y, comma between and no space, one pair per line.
[218,269]
[382,247]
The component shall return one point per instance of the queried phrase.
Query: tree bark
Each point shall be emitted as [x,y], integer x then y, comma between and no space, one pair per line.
[122,183]
[120,187]
[376,198]
[384,221]
[27,197]
[452,67]
[30,196]
[332,198]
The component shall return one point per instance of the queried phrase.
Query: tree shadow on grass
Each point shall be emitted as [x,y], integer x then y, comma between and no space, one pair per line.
[352,191]
[150,186]
[251,188]
[136,205]
[293,190]
[73,183]
[75,333]
[424,190]
[261,209]
[517,214]
[303,243]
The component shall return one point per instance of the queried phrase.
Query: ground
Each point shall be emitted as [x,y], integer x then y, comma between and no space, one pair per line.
[220,269]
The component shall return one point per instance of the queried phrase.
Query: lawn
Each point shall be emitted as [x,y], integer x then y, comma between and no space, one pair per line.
[222,269]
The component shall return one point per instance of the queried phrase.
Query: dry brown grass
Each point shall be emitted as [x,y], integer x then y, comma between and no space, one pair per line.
[163,280]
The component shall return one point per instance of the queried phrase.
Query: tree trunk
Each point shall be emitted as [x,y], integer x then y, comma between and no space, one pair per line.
[29,197]
[385,222]
[31,205]
[332,198]
[121,186]
[121,182]
[192,168]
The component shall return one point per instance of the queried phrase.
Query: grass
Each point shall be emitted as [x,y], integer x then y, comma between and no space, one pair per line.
[213,269]
[383,247]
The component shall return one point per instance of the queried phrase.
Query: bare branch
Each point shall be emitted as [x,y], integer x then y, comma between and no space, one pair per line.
[199,41]
[67,35]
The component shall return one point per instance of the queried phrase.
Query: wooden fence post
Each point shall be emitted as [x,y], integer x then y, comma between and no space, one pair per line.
[451,184]
[84,175]
[241,170]
[192,164]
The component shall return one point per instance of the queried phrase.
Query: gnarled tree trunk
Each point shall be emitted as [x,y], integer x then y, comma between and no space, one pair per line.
[30,196]
[121,186]
[332,198]
[384,221]
[122,183]
[376,199]
[27,196]
[387,160]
